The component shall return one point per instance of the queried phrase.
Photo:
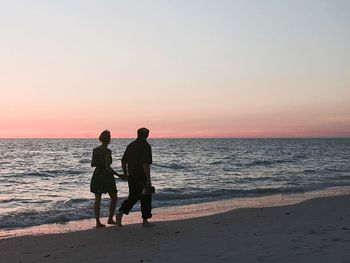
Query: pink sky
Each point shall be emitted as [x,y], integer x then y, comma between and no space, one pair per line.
[182,70]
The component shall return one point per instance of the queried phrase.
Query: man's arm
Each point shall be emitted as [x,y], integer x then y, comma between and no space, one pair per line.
[124,162]
[147,171]
[125,168]
[147,161]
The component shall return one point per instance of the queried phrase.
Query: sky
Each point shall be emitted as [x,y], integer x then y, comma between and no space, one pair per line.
[184,68]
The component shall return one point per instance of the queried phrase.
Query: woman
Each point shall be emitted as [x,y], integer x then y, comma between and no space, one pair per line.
[102,180]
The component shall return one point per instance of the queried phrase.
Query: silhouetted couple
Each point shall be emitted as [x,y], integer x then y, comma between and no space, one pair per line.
[136,169]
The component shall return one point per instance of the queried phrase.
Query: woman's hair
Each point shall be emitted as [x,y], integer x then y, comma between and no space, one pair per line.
[105,136]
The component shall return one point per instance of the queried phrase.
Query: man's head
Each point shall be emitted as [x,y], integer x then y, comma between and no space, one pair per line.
[142,133]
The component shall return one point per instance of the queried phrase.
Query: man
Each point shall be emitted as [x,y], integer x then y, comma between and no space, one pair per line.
[136,165]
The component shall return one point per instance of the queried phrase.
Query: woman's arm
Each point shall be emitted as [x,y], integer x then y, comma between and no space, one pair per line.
[108,162]
[93,160]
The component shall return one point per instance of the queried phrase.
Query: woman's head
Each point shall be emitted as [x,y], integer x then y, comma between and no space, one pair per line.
[105,136]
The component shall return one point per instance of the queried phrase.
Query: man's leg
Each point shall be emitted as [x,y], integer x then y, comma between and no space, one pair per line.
[146,208]
[128,204]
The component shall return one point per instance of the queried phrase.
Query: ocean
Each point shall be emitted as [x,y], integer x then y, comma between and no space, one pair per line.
[46,181]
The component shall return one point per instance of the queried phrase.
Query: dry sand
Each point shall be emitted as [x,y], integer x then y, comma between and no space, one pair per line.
[316,230]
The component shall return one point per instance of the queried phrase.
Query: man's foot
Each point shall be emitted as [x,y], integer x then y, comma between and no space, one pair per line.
[99,225]
[111,222]
[118,219]
[147,224]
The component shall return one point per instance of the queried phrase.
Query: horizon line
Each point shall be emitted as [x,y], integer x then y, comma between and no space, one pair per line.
[130,138]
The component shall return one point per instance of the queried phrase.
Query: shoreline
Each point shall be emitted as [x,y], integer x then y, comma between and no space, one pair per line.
[314,230]
[173,213]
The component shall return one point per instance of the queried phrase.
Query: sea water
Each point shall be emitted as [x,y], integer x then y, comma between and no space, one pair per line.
[47,180]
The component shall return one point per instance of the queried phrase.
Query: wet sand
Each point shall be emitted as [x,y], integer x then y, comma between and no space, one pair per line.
[270,229]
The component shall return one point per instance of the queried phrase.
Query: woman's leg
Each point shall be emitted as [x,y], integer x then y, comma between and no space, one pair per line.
[97,210]
[112,206]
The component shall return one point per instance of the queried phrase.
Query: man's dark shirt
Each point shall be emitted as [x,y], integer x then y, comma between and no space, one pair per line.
[136,154]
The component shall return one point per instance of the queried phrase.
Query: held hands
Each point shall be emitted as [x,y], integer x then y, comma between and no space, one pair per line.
[122,176]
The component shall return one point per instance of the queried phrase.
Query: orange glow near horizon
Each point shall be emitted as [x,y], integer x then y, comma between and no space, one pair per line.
[177,123]
[47,130]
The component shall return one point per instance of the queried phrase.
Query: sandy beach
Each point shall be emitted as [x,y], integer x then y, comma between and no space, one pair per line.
[315,230]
